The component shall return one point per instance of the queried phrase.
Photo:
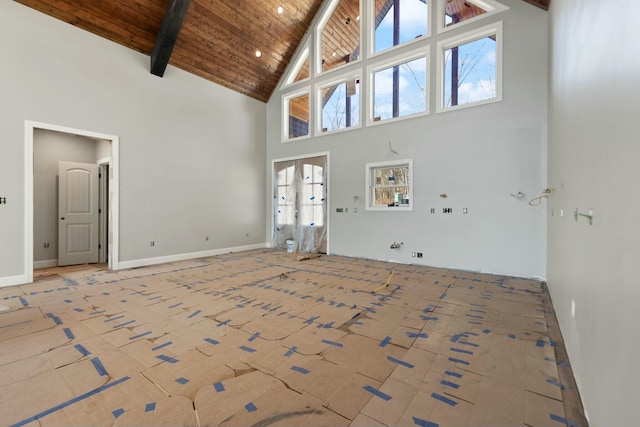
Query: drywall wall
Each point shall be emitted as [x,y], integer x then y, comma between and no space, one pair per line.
[49,148]
[477,156]
[188,148]
[593,156]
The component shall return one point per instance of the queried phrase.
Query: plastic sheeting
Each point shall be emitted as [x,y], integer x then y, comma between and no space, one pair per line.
[300,205]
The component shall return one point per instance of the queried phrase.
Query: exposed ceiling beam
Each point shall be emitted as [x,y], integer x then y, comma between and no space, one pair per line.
[168,34]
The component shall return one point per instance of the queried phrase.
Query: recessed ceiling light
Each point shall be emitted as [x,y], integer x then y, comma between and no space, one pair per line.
[258,54]
[358,18]
[280,10]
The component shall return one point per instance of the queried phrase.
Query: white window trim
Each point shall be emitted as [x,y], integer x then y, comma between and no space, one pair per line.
[297,66]
[336,79]
[495,28]
[370,185]
[422,52]
[491,6]
[371,33]
[285,114]
[318,38]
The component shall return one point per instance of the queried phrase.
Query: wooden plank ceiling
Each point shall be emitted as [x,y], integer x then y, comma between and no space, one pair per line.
[218,39]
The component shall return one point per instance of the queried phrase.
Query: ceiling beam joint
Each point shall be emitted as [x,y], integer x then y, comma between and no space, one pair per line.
[168,35]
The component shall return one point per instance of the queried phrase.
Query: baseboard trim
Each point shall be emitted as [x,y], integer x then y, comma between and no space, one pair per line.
[191,255]
[13,280]
[45,264]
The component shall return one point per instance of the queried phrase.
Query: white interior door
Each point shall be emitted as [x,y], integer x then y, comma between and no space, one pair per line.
[77,213]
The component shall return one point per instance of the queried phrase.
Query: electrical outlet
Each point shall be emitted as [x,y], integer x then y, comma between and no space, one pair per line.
[419,254]
[465,210]
[340,210]
[46,245]
[447,210]
[3,200]
[413,254]
[153,243]
[433,210]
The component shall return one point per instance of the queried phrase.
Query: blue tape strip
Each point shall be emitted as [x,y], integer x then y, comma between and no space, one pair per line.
[469,343]
[70,402]
[212,341]
[453,374]
[176,305]
[540,343]
[299,369]
[449,384]
[333,343]
[111,319]
[444,399]
[473,322]
[250,407]
[454,360]
[486,331]
[55,318]
[291,351]
[68,333]
[247,349]
[78,310]
[400,362]
[83,351]
[512,336]
[385,341]
[166,358]
[557,362]
[219,387]
[254,336]
[99,367]
[311,320]
[24,301]
[459,350]
[158,347]
[124,324]
[117,413]
[563,420]
[424,423]
[457,337]
[150,407]
[378,393]
[144,334]
[414,335]
[194,314]
[557,384]
[182,380]
[225,323]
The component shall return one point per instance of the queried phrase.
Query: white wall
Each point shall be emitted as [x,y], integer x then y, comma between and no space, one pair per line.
[49,148]
[188,147]
[478,156]
[594,151]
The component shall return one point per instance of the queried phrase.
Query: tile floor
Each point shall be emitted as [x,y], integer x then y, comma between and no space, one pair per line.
[260,338]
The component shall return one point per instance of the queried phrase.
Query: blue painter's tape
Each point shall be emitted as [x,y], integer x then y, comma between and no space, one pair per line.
[473,322]
[194,314]
[563,420]
[311,320]
[456,337]
[427,318]
[144,334]
[486,331]
[150,407]
[158,347]
[414,335]
[444,399]
[176,305]
[449,384]
[540,343]
[459,350]
[254,336]
[454,360]
[117,413]
[166,358]
[250,407]
[225,323]
[512,336]
[55,318]
[182,380]
[155,298]
[99,367]
[83,351]
[469,343]
[400,362]
[328,325]
[453,374]
[114,318]
[124,324]
[247,349]
[78,310]
[291,351]
[557,384]
[557,362]
[333,343]
[384,342]
[219,387]
[378,393]
[68,301]
[212,341]
[424,423]
[299,369]
[69,402]
[68,333]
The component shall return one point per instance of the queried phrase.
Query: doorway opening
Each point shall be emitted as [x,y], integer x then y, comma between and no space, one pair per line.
[300,203]
[38,192]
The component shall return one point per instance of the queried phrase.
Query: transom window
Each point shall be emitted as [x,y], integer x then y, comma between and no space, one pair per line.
[399,21]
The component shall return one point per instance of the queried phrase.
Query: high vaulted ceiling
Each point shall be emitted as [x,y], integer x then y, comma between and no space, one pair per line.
[218,39]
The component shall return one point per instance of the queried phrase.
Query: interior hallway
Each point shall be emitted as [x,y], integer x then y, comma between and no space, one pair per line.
[261,338]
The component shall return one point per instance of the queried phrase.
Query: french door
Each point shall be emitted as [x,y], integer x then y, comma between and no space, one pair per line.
[300,204]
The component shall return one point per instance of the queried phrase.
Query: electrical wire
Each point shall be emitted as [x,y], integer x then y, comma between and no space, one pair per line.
[537,200]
